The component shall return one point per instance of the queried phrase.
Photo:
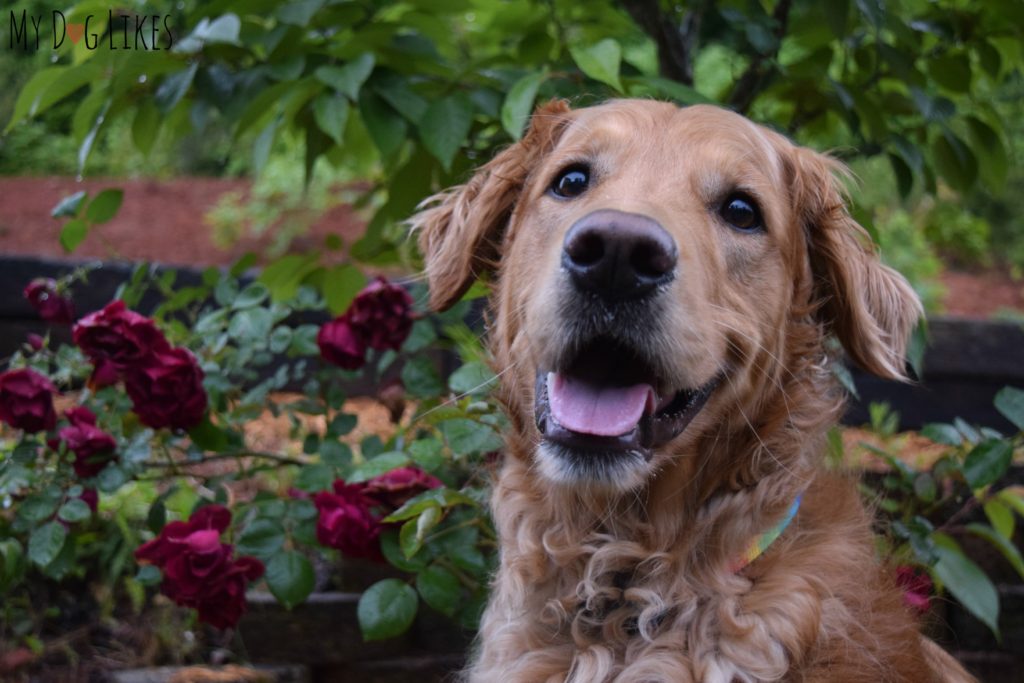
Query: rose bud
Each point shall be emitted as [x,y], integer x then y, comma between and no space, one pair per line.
[51,306]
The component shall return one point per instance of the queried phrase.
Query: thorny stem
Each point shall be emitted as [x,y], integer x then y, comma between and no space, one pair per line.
[281,459]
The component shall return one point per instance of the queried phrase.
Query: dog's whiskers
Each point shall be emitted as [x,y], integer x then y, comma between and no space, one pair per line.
[459,397]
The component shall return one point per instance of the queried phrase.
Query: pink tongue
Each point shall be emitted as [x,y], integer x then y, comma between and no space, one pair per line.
[601,411]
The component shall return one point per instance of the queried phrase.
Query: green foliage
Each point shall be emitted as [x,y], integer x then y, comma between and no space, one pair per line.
[928,508]
[251,344]
[386,609]
[385,103]
[436,92]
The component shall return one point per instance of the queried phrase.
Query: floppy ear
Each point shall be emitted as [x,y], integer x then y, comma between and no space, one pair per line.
[461,229]
[870,307]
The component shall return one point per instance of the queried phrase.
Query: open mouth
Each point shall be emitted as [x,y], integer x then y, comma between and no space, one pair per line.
[608,400]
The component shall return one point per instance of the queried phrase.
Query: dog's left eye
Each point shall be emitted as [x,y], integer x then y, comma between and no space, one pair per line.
[741,213]
[571,182]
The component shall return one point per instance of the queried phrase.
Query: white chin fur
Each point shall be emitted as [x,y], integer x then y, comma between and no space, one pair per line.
[623,473]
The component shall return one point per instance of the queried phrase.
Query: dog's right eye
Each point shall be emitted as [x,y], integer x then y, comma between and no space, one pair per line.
[571,182]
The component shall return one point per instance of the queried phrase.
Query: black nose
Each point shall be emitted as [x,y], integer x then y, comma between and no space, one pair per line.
[618,255]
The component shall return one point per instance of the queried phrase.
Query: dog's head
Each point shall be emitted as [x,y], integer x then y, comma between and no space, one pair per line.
[650,262]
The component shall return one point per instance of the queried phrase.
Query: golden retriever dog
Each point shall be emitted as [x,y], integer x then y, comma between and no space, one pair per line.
[664,280]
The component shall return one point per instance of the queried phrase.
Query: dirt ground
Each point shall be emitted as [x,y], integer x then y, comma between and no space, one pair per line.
[159,220]
[162,221]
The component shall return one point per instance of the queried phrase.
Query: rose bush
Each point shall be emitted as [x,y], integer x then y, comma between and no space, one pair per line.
[148,448]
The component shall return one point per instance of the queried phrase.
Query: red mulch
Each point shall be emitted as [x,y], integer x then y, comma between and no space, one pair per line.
[162,221]
[981,295]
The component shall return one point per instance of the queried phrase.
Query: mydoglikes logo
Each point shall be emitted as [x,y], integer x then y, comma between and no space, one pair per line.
[114,30]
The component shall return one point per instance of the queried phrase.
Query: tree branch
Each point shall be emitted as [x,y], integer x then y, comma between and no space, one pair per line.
[758,74]
[676,44]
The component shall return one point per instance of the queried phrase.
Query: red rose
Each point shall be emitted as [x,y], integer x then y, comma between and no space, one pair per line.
[198,569]
[381,316]
[51,306]
[223,602]
[26,400]
[35,342]
[172,537]
[340,345]
[917,588]
[346,522]
[166,389]
[115,334]
[393,489]
[93,448]
[200,557]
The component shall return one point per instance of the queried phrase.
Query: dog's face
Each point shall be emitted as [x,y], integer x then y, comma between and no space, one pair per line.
[650,261]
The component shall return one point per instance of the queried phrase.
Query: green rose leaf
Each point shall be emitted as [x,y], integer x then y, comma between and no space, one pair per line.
[1010,402]
[73,233]
[381,464]
[104,206]
[472,378]
[942,433]
[262,537]
[12,563]
[75,510]
[290,578]
[439,588]
[420,377]
[46,542]
[1001,543]
[966,581]
[387,609]
[987,462]
[251,324]
[253,295]
[70,205]
[466,436]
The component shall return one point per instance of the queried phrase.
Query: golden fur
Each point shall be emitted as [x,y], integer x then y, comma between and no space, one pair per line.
[631,583]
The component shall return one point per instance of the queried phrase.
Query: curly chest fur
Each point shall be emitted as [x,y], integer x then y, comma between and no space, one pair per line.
[616,612]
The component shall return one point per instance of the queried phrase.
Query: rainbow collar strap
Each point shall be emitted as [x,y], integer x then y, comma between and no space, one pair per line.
[761,543]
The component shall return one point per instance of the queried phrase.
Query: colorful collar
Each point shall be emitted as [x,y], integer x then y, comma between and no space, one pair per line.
[761,543]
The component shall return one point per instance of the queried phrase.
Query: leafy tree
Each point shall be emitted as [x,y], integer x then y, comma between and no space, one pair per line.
[411,95]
